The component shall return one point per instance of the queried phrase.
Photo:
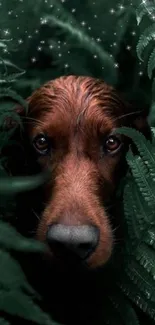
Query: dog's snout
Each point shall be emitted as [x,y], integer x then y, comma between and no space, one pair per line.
[81,240]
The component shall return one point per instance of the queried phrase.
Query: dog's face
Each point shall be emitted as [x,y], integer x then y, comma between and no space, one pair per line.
[70,130]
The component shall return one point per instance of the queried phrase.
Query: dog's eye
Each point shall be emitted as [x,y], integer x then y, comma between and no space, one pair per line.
[112,144]
[41,144]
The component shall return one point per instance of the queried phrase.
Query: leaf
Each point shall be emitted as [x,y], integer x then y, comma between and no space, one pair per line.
[11,275]
[140,12]
[145,147]
[141,175]
[13,184]
[10,239]
[151,64]
[4,92]
[16,303]
[146,258]
[145,38]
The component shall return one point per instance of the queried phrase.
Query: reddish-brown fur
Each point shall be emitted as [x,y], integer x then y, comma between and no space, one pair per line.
[77,113]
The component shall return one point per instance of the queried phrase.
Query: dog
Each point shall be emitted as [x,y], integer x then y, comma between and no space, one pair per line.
[69,130]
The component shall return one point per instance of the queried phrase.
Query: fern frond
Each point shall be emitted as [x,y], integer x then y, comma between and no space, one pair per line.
[128,316]
[140,12]
[146,258]
[132,292]
[145,38]
[144,146]
[149,237]
[144,8]
[128,201]
[151,64]
[137,213]
[142,177]
[141,278]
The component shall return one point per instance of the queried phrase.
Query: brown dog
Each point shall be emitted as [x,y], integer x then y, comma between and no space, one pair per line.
[69,129]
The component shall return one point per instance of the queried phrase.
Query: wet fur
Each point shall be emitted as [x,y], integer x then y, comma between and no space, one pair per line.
[77,113]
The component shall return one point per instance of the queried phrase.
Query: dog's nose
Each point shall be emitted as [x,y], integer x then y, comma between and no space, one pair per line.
[78,240]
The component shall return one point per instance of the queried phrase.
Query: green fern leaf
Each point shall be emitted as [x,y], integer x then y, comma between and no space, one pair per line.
[128,199]
[142,177]
[149,237]
[145,147]
[140,12]
[146,258]
[144,40]
[151,64]
[137,213]
[128,316]
[144,8]
[141,278]
[130,290]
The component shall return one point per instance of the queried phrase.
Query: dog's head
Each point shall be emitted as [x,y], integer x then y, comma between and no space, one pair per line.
[69,128]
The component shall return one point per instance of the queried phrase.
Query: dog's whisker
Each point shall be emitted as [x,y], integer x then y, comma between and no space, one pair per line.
[114,230]
[127,114]
[36,214]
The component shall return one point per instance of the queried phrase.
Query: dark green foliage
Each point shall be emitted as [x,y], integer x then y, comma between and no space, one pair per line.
[84,51]
[17,297]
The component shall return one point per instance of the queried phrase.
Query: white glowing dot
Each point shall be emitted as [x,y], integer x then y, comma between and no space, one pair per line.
[33,59]
[6,32]
[83,23]
[116,65]
[121,7]
[43,21]
[73,10]
[112,11]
